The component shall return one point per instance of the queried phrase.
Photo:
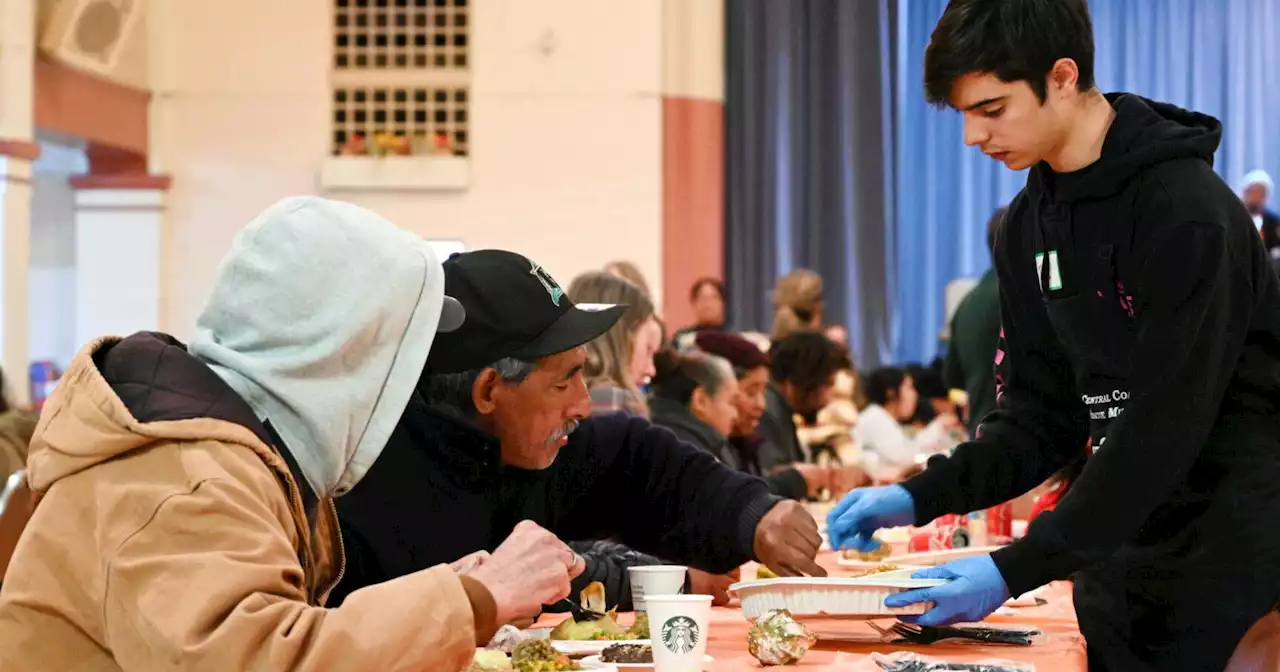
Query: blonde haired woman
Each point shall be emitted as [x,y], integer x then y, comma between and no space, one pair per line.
[629,272]
[797,303]
[621,360]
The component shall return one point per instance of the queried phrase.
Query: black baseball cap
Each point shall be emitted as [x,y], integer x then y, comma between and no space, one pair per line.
[513,308]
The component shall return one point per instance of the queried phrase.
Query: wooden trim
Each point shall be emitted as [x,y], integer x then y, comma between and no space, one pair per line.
[78,104]
[108,160]
[692,201]
[20,149]
[123,181]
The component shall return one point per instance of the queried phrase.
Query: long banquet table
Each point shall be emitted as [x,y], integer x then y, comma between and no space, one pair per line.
[843,644]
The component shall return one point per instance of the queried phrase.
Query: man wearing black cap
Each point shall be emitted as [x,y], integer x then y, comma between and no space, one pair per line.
[499,433]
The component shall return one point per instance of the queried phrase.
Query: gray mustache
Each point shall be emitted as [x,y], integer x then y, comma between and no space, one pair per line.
[563,432]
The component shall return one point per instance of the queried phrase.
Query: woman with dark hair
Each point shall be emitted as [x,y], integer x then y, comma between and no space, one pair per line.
[708,301]
[891,402]
[694,395]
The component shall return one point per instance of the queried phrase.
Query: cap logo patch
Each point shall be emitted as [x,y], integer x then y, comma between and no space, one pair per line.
[548,283]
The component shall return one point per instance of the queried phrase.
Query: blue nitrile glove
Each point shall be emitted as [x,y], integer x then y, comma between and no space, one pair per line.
[865,510]
[975,589]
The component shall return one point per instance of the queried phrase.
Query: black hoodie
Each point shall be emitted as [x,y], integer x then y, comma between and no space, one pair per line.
[1139,307]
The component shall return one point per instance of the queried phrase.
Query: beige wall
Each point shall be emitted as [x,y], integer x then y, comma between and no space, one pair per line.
[565,135]
[133,67]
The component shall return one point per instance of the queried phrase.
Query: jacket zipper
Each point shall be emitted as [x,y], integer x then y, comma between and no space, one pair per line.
[342,553]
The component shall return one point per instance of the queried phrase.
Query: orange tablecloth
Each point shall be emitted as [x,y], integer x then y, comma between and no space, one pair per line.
[843,643]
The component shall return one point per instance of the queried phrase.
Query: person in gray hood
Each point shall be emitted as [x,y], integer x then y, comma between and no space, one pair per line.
[184,517]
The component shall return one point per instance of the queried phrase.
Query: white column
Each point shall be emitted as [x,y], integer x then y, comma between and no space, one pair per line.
[118,257]
[15,233]
[17,112]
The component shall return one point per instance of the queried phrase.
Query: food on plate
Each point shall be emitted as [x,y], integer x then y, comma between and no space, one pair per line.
[506,638]
[604,628]
[880,552]
[763,573]
[639,629]
[537,655]
[776,638]
[627,654]
[881,569]
[489,660]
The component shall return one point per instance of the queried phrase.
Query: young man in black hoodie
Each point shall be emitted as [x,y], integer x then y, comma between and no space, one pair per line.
[1138,308]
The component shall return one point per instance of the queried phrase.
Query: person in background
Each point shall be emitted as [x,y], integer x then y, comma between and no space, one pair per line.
[620,361]
[16,427]
[1255,192]
[695,394]
[797,303]
[975,329]
[708,301]
[934,398]
[887,448]
[185,517]
[803,368]
[631,273]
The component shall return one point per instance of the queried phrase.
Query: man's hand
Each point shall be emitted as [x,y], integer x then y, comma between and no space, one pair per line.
[787,541]
[531,568]
[468,563]
[974,590]
[844,479]
[715,585]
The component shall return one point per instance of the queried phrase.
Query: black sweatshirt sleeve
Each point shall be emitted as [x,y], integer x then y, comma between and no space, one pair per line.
[1038,424]
[607,562]
[788,483]
[1192,311]
[775,443]
[628,480]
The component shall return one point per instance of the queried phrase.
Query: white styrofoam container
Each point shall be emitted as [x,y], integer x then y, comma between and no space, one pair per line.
[852,598]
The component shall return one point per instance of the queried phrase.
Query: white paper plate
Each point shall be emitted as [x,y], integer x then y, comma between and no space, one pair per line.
[630,667]
[932,558]
[590,648]
[856,564]
[861,597]
[593,663]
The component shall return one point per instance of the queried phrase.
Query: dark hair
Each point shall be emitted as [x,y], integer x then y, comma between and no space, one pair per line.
[742,354]
[1015,40]
[808,360]
[705,282]
[928,381]
[678,375]
[881,382]
[994,225]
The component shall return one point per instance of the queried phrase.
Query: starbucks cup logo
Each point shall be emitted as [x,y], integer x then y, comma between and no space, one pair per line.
[680,634]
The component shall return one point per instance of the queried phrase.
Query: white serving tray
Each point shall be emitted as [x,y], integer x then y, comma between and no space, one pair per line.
[861,597]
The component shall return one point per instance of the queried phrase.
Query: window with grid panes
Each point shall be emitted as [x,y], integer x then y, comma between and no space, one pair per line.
[400,75]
